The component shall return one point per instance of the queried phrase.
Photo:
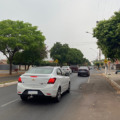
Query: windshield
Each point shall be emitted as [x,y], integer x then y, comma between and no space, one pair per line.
[40,70]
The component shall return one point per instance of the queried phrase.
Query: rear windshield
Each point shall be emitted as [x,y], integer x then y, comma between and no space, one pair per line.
[64,66]
[40,70]
[83,68]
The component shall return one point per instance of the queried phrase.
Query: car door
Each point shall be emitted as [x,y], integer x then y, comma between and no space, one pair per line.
[65,80]
[61,79]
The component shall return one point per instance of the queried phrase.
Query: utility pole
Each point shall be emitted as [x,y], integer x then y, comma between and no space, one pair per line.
[96,52]
[105,62]
[100,52]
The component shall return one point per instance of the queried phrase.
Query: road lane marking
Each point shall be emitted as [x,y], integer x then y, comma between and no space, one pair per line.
[88,80]
[9,103]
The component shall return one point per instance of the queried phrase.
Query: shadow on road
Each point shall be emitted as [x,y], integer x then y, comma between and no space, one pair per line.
[43,100]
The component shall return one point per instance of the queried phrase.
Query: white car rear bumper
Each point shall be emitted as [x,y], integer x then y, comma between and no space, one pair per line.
[49,90]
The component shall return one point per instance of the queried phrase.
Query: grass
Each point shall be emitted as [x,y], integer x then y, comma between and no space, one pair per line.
[8,75]
[8,81]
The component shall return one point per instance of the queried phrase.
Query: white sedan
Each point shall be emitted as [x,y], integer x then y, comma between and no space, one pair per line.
[67,69]
[43,81]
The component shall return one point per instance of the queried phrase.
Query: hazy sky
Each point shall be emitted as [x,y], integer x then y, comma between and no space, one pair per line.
[64,21]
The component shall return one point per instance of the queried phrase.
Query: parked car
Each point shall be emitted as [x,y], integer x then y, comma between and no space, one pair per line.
[74,68]
[117,71]
[43,81]
[83,71]
[67,70]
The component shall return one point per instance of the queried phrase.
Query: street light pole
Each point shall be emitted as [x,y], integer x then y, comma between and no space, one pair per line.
[99,53]
[96,52]
[89,32]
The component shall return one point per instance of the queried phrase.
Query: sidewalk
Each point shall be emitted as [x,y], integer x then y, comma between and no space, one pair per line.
[99,101]
[114,79]
[7,80]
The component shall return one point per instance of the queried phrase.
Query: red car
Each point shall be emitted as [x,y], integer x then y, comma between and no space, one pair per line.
[74,68]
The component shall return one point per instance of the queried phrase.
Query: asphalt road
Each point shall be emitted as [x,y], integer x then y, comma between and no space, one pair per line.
[12,108]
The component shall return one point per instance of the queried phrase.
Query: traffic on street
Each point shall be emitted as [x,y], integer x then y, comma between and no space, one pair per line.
[42,108]
[60,60]
[87,98]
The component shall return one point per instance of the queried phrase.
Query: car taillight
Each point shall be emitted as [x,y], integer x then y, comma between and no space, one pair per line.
[19,79]
[51,80]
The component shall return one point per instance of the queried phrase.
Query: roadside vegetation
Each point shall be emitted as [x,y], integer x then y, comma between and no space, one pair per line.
[66,55]
[99,64]
[23,44]
[19,40]
[108,34]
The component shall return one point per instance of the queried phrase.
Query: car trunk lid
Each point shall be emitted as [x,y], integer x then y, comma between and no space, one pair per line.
[35,81]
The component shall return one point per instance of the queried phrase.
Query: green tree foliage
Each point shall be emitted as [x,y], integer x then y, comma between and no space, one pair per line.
[108,34]
[47,63]
[86,62]
[98,63]
[59,52]
[18,36]
[74,56]
[64,54]
[30,56]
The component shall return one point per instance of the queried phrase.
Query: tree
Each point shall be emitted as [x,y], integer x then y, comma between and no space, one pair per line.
[18,36]
[64,54]
[108,34]
[74,56]
[59,51]
[98,63]
[30,56]
[86,62]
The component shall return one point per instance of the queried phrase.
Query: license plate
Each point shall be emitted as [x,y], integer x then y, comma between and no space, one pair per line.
[33,92]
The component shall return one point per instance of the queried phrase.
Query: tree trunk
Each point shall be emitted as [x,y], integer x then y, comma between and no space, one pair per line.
[25,67]
[10,70]
[28,67]
[19,67]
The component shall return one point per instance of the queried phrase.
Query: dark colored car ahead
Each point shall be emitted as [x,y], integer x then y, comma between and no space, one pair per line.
[83,71]
[74,68]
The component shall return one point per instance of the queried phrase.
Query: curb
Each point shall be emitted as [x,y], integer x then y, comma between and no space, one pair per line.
[8,84]
[113,84]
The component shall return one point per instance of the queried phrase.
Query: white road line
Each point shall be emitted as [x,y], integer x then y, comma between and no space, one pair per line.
[88,80]
[9,103]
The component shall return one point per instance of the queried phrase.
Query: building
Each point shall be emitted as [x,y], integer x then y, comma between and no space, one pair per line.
[3,62]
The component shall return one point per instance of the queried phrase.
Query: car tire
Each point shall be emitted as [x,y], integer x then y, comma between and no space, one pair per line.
[68,90]
[58,96]
[88,75]
[78,75]
[24,97]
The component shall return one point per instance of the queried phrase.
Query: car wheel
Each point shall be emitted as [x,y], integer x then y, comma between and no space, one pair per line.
[88,75]
[78,75]
[58,96]
[24,97]
[68,90]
